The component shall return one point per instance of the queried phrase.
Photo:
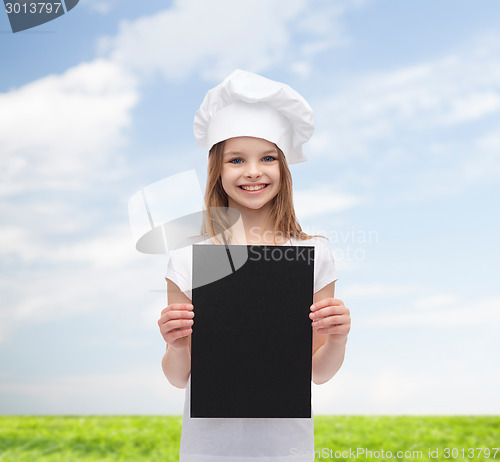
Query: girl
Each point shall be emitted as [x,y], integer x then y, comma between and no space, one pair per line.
[253,128]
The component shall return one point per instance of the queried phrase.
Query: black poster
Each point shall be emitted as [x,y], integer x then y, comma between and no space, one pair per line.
[251,343]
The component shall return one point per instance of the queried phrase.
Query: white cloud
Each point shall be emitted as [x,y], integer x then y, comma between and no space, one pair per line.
[379,290]
[484,162]
[209,37]
[59,133]
[59,127]
[436,301]
[301,68]
[472,106]
[446,91]
[480,312]
[322,200]
[16,241]
[103,275]
[100,6]
[112,247]
[138,392]
[390,390]
[398,122]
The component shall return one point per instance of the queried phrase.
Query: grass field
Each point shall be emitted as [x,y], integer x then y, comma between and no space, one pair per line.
[156,438]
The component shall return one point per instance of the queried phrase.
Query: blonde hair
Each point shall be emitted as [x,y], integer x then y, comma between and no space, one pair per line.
[217,219]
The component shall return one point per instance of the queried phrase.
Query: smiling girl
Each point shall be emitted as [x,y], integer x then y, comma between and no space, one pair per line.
[253,128]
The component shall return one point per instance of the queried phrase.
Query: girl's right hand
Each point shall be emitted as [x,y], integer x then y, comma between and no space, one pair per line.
[176,323]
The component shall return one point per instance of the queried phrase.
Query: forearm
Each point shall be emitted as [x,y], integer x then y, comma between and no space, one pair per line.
[176,365]
[327,360]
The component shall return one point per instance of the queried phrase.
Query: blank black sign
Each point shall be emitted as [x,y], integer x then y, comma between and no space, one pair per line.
[251,344]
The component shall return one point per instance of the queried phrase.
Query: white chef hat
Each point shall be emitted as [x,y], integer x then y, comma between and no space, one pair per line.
[247,104]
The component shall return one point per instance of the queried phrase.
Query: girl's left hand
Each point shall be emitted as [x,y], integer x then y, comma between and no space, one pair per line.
[331,317]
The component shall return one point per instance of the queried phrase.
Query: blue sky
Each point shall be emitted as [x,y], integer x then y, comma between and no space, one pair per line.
[403,177]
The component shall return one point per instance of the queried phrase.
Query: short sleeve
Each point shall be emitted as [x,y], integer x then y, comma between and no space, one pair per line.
[179,269]
[324,265]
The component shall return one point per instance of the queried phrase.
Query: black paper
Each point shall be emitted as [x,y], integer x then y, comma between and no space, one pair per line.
[251,343]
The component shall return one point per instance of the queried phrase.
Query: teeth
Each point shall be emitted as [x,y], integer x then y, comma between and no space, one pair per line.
[254,188]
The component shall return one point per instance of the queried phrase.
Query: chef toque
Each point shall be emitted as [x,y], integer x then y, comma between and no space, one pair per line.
[247,104]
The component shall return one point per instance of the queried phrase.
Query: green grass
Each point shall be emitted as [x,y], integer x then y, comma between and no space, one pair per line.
[407,433]
[90,438]
[156,438]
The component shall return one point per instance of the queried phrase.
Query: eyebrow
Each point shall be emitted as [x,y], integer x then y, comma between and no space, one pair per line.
[238,153]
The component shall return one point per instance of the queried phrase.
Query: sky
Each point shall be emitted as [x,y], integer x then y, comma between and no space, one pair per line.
[402,176]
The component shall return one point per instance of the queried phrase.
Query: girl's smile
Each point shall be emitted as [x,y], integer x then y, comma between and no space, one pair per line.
[254,188]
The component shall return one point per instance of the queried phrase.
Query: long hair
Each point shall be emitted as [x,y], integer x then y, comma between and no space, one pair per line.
[217,218]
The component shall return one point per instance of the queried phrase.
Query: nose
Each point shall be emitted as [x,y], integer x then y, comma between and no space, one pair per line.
[253,170]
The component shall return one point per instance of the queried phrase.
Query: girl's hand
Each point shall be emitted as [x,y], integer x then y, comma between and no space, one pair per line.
[176,323]
[331,317]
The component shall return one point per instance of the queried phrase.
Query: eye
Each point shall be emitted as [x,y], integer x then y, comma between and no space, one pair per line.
[270,158]
[232,161]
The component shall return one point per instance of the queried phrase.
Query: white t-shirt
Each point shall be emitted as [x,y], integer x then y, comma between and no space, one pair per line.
[247,439]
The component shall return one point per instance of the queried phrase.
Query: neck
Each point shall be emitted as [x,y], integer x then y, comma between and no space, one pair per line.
[255,225]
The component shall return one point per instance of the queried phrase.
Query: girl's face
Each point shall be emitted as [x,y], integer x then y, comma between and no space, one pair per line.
[250,172]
